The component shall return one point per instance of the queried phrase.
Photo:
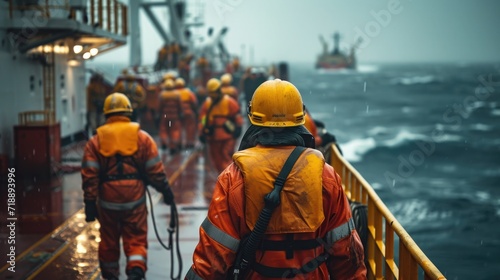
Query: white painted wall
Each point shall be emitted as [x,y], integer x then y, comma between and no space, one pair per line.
[18,93]
[22,90]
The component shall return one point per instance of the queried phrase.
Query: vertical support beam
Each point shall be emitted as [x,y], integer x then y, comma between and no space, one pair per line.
[378,244]
[124,20]
[11,9]
[47,12]
[156,23]
[389,250]
[99,12]
[92,12]
[354,188]
[115,13]
[135,34]
[108,15]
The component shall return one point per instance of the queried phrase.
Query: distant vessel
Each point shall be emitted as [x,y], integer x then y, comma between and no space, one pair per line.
[336,59]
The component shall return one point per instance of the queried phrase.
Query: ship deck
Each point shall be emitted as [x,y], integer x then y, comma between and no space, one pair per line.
[53,241]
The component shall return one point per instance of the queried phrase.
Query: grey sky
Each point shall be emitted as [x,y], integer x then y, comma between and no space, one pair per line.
[416,31]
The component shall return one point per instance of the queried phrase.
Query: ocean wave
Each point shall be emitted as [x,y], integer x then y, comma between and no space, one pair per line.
[378,130]
[494,172]
[343,71]
[411,213]
[447,138]
[495,112]
[367,68]
[450,127]
[322,85]
[481,127]
[402,137]
[355,149]
[414,80]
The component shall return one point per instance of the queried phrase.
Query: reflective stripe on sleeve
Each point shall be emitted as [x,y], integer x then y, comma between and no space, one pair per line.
[122,206]
[136,258]
[152,162]
[340,232]
[218,235]
[191,275]
[90,164]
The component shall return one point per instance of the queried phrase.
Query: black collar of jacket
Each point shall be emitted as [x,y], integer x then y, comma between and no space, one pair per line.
[276,136]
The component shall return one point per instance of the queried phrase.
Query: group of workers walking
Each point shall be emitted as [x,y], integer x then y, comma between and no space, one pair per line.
[261,224]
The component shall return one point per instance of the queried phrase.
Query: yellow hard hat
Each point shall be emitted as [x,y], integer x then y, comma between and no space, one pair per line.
[276,103]
[180,83]
[226,79]
[117,103]
[213,85]
[168,84]
[169,76]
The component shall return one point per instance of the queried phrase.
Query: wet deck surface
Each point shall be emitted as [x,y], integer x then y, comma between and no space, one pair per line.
[53,241]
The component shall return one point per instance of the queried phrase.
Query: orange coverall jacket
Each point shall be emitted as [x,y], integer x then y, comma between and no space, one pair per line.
[313,206]
[231,91]
[311,126]
[96,157]
[134,91]
[189,102]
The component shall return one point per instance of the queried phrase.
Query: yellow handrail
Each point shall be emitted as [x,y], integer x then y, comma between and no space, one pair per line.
[380,256]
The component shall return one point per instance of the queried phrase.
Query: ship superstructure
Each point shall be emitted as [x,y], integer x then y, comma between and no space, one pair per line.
[44,48]
[336,59]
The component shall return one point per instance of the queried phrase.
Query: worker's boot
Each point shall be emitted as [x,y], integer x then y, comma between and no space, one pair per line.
[136,273]
[109,276]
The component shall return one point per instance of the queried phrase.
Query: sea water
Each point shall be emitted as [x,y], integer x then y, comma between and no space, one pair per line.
[427,138]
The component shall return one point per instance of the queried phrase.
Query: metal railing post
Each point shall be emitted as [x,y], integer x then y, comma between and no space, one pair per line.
[99,13]
[115,13]
[124,20]
[108,15]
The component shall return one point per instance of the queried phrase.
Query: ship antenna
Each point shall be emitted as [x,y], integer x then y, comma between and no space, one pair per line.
[336,40]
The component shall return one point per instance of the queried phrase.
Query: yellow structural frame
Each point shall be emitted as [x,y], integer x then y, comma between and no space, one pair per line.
[382,226]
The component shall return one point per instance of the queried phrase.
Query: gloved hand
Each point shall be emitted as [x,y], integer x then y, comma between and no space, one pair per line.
[202,139]
[237,132]
[168,196]
[90,210]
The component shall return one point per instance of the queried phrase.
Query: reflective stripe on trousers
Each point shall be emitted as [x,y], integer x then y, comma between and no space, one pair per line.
[122,206]
[136,258]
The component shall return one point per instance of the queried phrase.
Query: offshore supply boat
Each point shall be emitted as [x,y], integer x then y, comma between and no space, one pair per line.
[44,233]
[336,59]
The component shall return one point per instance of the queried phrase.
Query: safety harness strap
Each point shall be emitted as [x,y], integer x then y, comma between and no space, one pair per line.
[288,272]
[118,177]
[104,177]
[285,245]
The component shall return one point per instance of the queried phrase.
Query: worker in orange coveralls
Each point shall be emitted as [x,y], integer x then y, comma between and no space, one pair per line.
[227,87]
[135,92]
[189,110]
[219,125]
[97,90]
[117,165]
[311,126]
[311,232]
[170,109]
